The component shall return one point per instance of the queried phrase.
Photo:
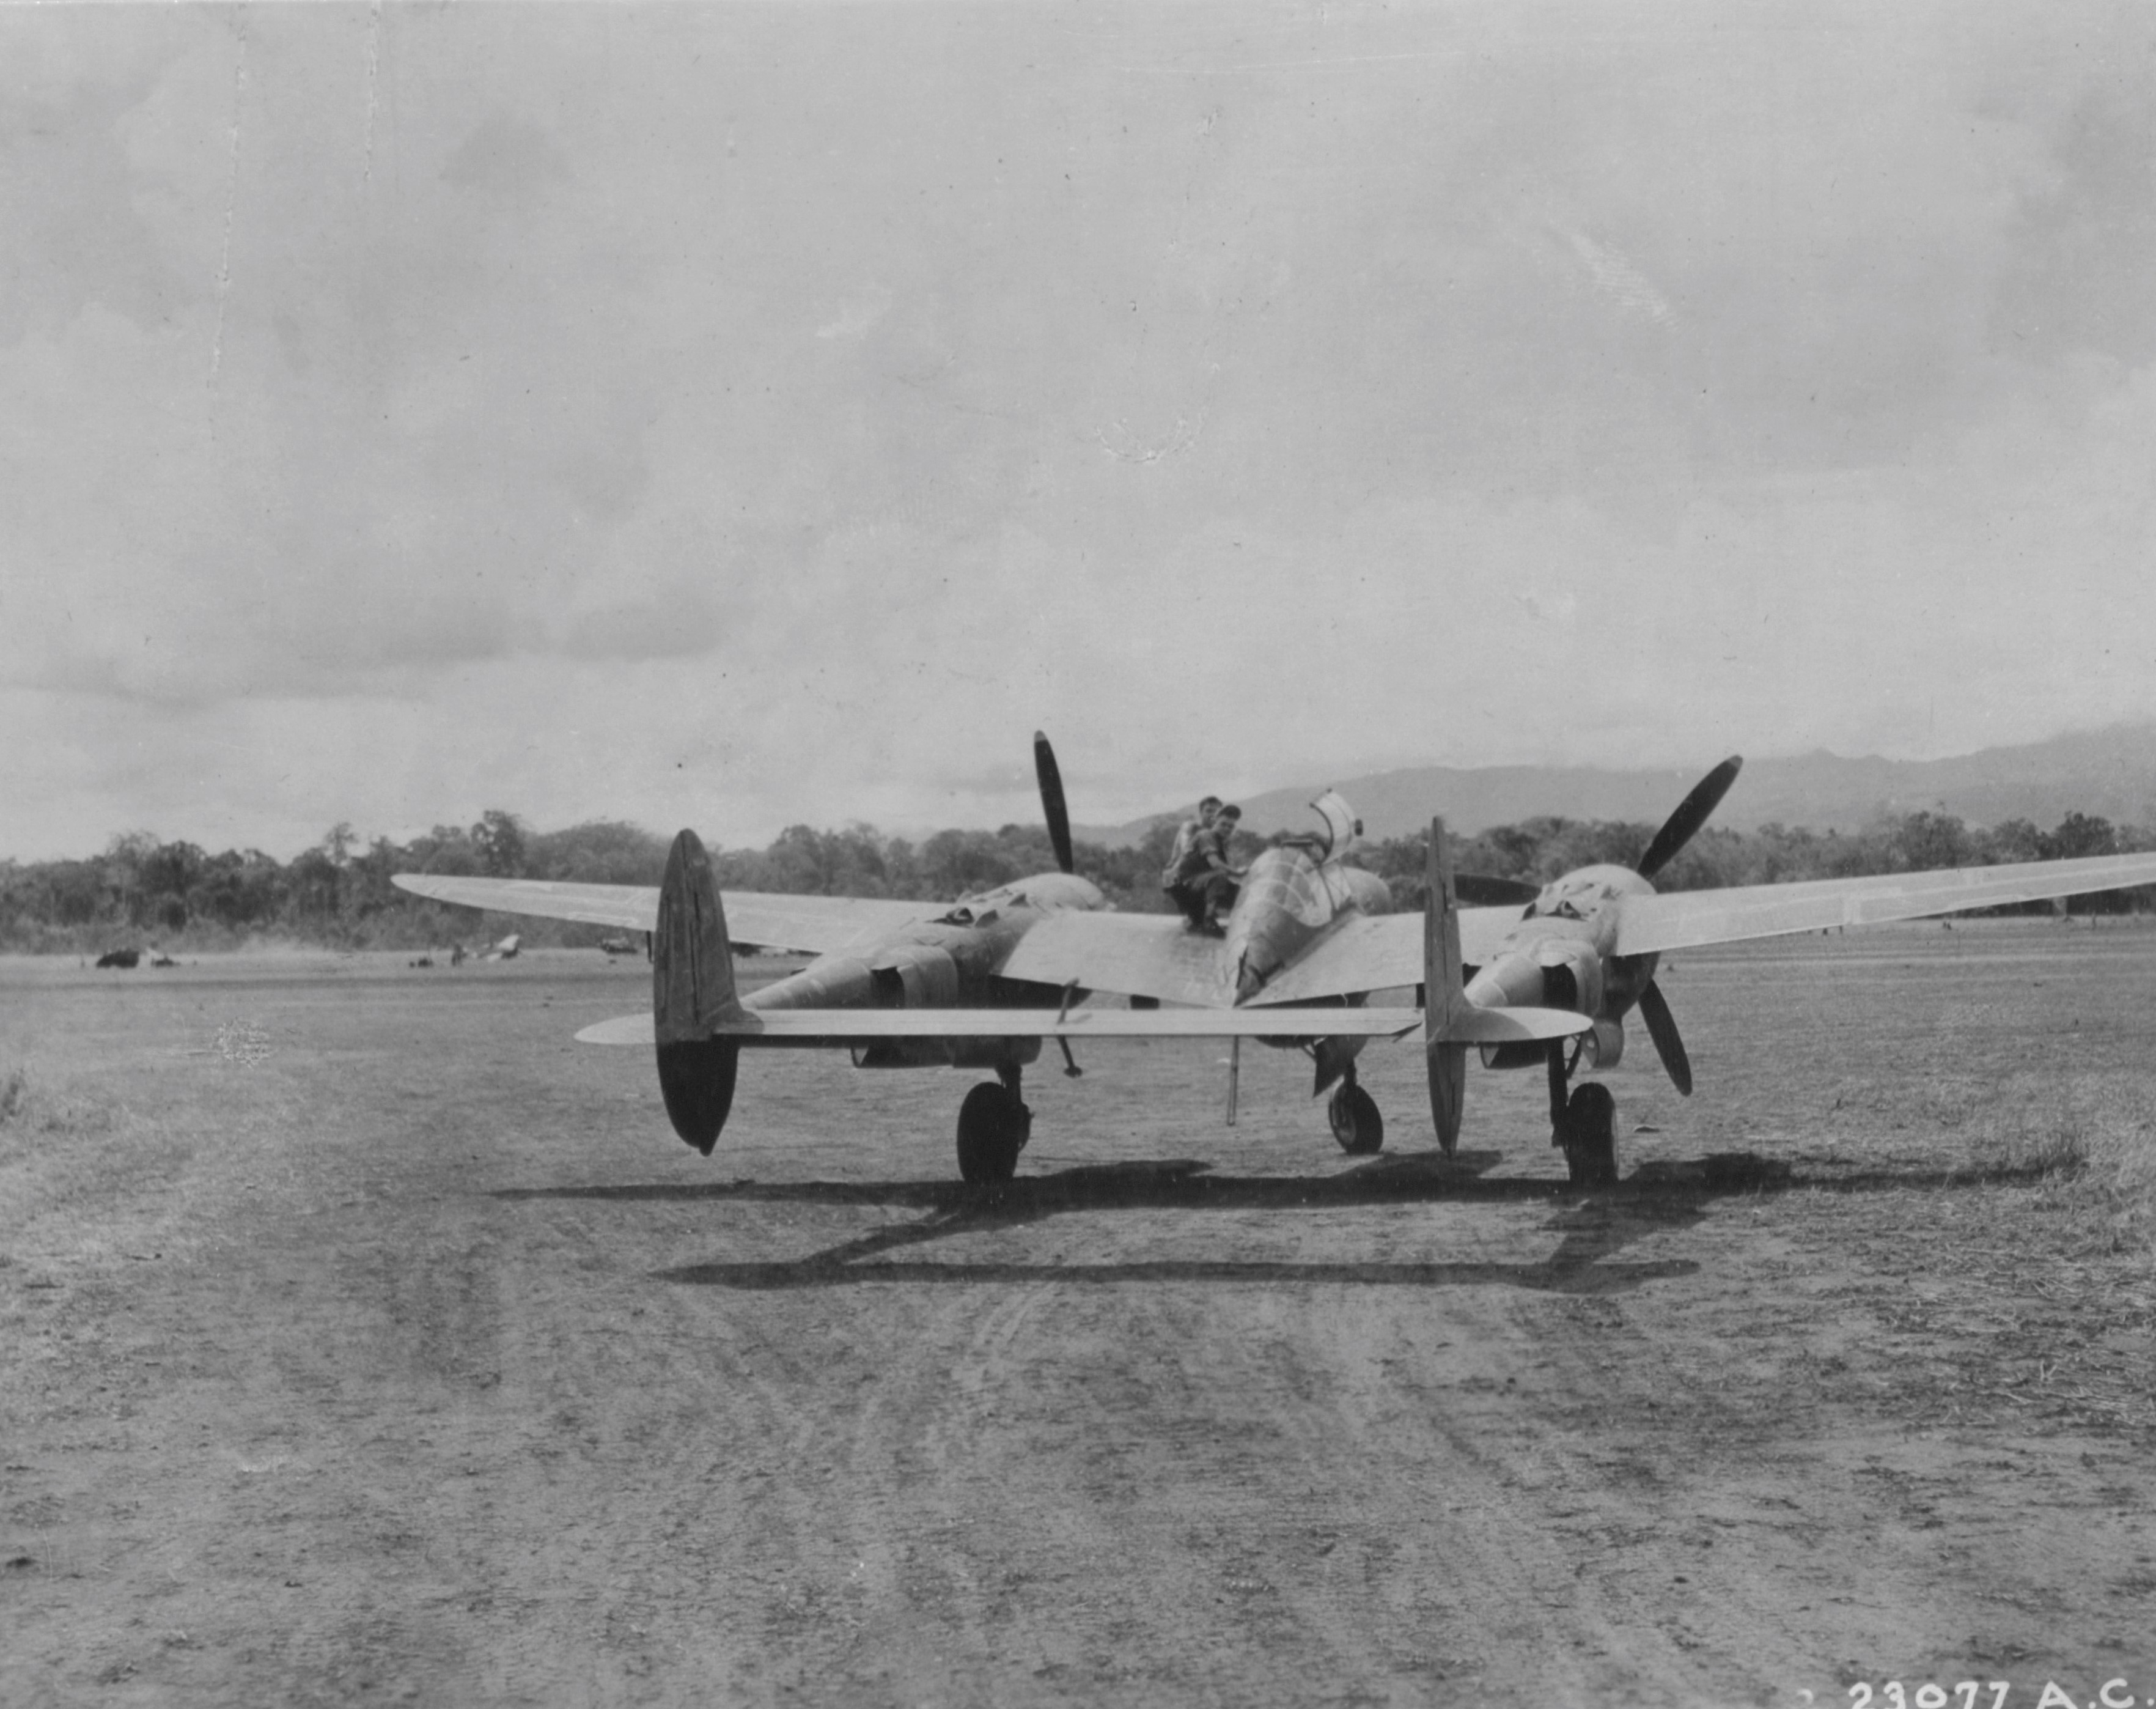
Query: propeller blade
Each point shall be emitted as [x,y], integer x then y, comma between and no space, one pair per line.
[1052,801]
[1662,1029]
[1474,890]
[1692,813]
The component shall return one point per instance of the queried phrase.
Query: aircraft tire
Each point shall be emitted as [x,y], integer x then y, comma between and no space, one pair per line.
[992,1128]
[1590,1136]
[1357,1122]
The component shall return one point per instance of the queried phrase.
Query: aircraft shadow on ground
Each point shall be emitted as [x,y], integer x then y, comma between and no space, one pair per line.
[1595,1226]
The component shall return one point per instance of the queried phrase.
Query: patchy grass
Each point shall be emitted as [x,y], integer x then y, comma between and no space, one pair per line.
[2085,1138]
[2091,1144]
[32,1109]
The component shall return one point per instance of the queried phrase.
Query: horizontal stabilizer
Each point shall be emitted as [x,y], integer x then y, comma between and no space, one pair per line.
[840,1026]
[1469,1025]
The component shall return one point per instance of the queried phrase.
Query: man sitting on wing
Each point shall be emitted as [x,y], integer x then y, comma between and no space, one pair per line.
[1186,839]
[1200,878]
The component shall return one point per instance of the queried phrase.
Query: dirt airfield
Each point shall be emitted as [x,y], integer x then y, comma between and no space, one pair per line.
[366,1340]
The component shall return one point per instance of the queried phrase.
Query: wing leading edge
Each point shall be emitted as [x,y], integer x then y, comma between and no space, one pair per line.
[810,924]
[1684,920]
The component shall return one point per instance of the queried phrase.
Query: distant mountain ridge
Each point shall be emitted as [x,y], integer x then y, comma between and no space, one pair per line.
[2110,773]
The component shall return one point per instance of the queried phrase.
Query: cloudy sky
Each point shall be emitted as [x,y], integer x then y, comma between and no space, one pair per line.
[738,416]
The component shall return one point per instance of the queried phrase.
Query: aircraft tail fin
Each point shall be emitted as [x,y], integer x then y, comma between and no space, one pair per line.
[1444,996]
[692,992]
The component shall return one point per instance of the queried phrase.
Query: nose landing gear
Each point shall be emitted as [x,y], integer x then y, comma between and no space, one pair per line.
[993,1125]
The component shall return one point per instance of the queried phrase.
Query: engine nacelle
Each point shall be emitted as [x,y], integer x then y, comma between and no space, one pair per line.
[1601,1047]
[1559,973]
[828,982]
[914,977]
[947,1053]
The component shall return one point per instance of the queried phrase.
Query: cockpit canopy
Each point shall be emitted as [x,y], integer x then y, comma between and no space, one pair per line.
[1286,880]
[1293,891]
[1302,878]
[1342,828]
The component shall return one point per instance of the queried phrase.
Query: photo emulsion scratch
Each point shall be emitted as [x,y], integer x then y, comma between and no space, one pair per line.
[231,196]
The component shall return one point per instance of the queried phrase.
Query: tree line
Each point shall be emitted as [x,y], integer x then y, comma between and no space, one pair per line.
[1540,849]
[143,891]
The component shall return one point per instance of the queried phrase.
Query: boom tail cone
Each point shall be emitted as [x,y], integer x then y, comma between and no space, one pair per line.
[692,992]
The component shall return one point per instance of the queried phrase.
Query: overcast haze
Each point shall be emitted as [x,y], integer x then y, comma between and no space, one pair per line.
[740,416]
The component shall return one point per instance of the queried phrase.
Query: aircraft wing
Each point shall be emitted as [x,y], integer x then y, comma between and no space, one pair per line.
[1154,955]
[1683,919]
[839,1027]
[812,923]
[1373,952]
[1137,954]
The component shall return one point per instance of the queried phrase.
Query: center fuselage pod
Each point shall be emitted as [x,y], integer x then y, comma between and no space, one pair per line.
[1289,900]
[1560,956]
[954,960]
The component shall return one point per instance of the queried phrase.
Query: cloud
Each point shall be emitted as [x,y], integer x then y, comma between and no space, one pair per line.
[807,410]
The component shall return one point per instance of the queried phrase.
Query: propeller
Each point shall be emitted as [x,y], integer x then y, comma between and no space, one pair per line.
[1662,1029]
[1678,829]
[1052,801]
[1474,890]
[1692,813]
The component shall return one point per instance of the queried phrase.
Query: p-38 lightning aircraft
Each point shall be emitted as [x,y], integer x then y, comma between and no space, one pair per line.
[1532,978]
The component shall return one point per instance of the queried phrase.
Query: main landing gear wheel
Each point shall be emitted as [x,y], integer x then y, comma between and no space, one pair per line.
[1590,1136]
[1356,1122]
[993,1125]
